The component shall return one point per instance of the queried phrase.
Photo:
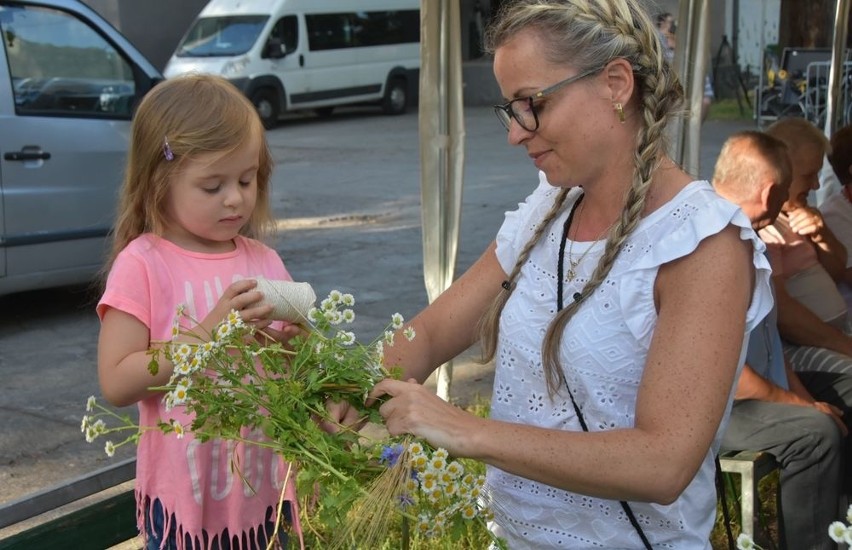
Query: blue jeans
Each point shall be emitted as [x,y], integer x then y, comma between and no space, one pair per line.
[155,536]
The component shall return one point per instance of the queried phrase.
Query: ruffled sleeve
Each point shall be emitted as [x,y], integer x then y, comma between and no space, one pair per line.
[700,215]
[520,225]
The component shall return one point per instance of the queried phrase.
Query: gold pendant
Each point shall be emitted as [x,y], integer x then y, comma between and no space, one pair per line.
[571,271]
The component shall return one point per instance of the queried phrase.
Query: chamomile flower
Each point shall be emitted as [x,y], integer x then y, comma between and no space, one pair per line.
[438,463]
[347,300]
[409,333]
[178,429]
[435,495]
[837,531]
[423,524]
[389,337]
[346,338]
[181,353]
[223,331]
[428,483]
[109,449]
[90,403]
[180,392]
[396,321]
[315,315]
[419,461]
[91,434]
[348,316]
[468,511]
[745,542]
[335,296]
[455,469]
[85,424]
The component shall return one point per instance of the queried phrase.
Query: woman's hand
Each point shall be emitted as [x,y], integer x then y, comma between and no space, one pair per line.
[807,222]
[414,409]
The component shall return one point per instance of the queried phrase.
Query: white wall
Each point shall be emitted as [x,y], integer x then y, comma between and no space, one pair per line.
[758,28]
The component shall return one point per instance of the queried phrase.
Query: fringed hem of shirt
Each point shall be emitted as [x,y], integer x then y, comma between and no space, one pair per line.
[253,538]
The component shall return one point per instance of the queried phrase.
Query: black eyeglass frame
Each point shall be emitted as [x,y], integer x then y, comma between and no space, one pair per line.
[505,113]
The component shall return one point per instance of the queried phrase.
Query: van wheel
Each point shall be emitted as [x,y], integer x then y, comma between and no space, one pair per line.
[324,112]
[266,103]
[396,97]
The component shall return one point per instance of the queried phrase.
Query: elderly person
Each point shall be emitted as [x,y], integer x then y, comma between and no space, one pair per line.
[837,208]
[774,411]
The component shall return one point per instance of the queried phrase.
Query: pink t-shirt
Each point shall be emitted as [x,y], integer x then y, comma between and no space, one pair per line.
[195,481]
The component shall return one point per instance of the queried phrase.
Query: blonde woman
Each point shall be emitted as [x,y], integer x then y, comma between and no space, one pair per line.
[614,301]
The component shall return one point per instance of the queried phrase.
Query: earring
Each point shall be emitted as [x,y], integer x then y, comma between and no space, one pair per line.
[619,109]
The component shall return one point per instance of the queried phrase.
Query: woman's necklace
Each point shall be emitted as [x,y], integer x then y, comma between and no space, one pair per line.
[560,266]
[560,263]
[572,264]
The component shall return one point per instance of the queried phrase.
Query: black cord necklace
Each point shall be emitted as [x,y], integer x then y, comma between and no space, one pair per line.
[560,271]
[560,265]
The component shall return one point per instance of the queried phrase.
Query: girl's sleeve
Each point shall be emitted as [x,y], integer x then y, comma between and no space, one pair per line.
[128,288]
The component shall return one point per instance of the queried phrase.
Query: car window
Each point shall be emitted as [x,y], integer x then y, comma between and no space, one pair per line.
[61,66]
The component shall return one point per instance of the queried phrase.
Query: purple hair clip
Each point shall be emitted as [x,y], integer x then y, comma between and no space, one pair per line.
[167,150]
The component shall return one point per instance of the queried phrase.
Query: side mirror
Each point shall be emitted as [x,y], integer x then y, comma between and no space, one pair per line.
[274,49]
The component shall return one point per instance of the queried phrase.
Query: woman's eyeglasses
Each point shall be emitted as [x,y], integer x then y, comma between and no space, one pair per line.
[523,108]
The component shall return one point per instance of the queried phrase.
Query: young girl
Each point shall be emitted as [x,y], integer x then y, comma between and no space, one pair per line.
[195,194]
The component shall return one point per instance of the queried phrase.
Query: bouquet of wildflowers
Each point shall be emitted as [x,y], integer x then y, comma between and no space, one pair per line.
[238,380]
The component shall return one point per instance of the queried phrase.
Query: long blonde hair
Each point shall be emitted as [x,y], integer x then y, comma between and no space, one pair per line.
[197,114]
[586,34]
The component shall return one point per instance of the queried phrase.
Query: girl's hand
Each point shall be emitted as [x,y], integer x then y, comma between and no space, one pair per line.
[417,410]
[341,416]
[267,335]
[242,297]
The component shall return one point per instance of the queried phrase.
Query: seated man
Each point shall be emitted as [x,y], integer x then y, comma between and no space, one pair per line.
[837,208]
[773,410]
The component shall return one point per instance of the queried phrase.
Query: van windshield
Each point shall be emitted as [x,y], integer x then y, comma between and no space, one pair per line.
[221,36]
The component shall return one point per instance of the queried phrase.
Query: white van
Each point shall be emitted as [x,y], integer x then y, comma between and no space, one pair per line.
[288,55]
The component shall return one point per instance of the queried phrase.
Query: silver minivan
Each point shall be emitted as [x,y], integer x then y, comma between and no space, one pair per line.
[68,85]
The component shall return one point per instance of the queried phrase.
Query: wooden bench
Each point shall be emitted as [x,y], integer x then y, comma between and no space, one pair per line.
[94,511]
[751,466]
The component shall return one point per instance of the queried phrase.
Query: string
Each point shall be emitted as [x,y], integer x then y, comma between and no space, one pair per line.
[290,301]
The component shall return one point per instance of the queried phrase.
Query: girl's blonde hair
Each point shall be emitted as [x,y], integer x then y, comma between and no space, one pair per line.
[194,114]
[588,34]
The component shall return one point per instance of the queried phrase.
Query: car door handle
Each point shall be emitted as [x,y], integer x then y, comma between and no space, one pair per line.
[27,154]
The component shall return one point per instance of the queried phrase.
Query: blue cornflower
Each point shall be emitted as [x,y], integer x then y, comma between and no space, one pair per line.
[390,454]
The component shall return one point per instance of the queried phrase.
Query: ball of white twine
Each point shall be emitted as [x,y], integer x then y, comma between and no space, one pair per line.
[290,301]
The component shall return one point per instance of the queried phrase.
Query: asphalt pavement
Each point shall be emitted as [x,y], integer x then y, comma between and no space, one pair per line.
[347,196]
